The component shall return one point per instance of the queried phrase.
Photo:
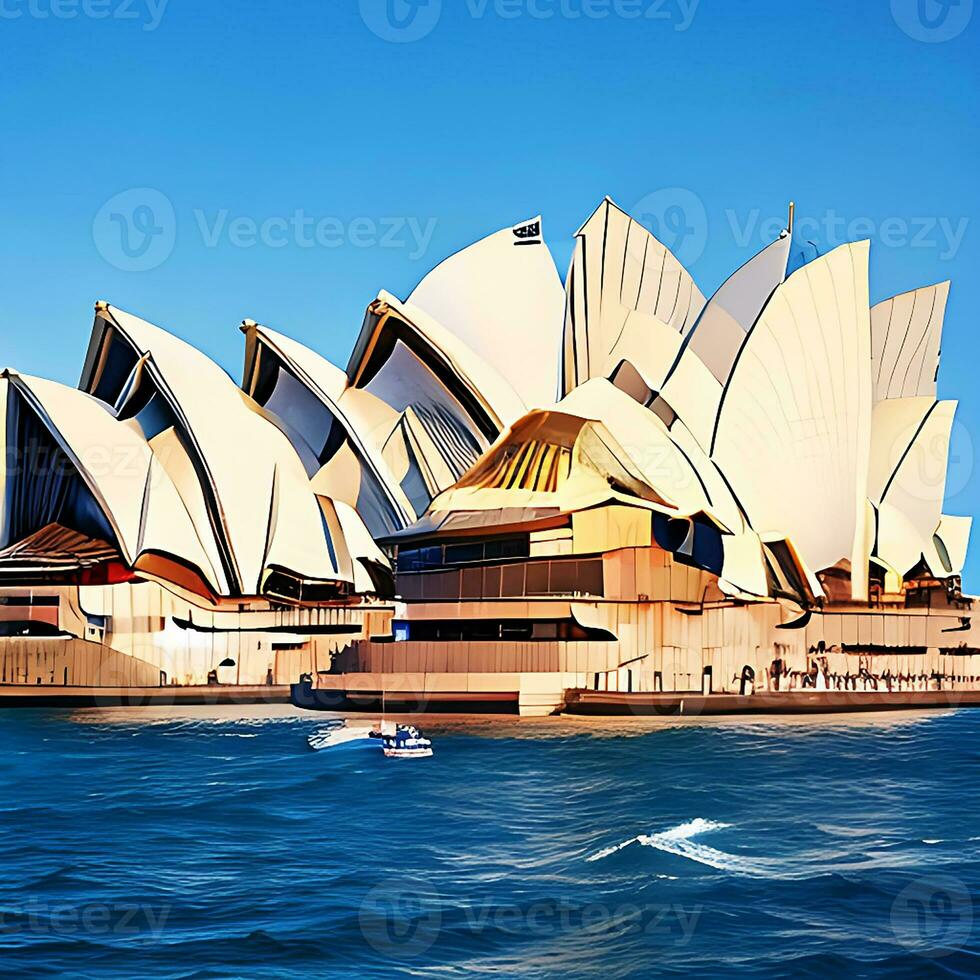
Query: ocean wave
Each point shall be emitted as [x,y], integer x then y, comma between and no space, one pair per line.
[66,877]
[670,840]
[680,841]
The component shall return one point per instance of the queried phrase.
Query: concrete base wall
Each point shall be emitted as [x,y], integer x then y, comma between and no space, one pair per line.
[139,634]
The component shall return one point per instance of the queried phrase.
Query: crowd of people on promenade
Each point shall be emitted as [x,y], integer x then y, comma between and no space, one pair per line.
[826,672]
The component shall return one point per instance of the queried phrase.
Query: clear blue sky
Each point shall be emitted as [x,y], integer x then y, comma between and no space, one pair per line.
[306,112]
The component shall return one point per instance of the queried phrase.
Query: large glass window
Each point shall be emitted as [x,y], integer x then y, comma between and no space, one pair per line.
[514,630]
[506,581]
[426,557]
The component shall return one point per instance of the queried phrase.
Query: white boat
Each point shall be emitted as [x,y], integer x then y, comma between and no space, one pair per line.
[397,741]
[406,742]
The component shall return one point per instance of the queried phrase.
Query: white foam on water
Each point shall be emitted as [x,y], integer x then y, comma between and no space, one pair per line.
[681,841]
[606,851]
[685,831]
[669,840]
[331,737]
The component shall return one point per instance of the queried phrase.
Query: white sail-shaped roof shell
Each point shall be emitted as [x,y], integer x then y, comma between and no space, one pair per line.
[269,517]
[673,466]
[360,545]
[126,479]
[793,432]
[481,380]
[696,381]
[731,312]
[894,425]
[171,455]
[113,460]
[503,298]
[907,482]
[618,267]
[954,533]
[407,374]
[360,415]
[910,510]
[906,334]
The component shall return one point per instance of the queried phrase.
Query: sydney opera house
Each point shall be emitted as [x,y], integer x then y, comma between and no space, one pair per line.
[517,495]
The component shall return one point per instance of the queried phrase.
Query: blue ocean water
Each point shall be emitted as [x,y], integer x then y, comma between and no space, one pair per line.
[138,844]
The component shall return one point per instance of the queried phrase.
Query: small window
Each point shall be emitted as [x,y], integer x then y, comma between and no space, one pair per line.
[459,554]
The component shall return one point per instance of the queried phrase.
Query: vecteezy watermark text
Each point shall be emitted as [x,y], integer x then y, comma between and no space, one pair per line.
[404,21]
[136,230]
[831,229]
[678,13]
[677,217]
[148,13]
[306,231]
[92,919]
[404,918]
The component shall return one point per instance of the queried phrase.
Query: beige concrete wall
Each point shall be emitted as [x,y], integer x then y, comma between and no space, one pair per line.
[479,657]
[669,623]
[141,629]
[667,645]
[78,663]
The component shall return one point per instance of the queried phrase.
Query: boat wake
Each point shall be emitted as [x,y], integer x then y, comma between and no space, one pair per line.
[682,832]
[332,737]
[680,841]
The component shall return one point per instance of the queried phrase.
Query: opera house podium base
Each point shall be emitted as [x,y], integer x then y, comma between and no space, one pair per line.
[432,693]
[614,703]
[58,696]
[543,694]
[528,695]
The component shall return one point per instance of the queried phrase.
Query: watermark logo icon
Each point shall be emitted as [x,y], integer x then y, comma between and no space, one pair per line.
[401,918]
[677,218]
[932,21]
[401,21]
[933,916]
[960,458]
[935,463]
[135,230]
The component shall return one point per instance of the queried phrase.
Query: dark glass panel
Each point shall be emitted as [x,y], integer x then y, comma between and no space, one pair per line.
[590,577]
[537,578]
[512,580]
